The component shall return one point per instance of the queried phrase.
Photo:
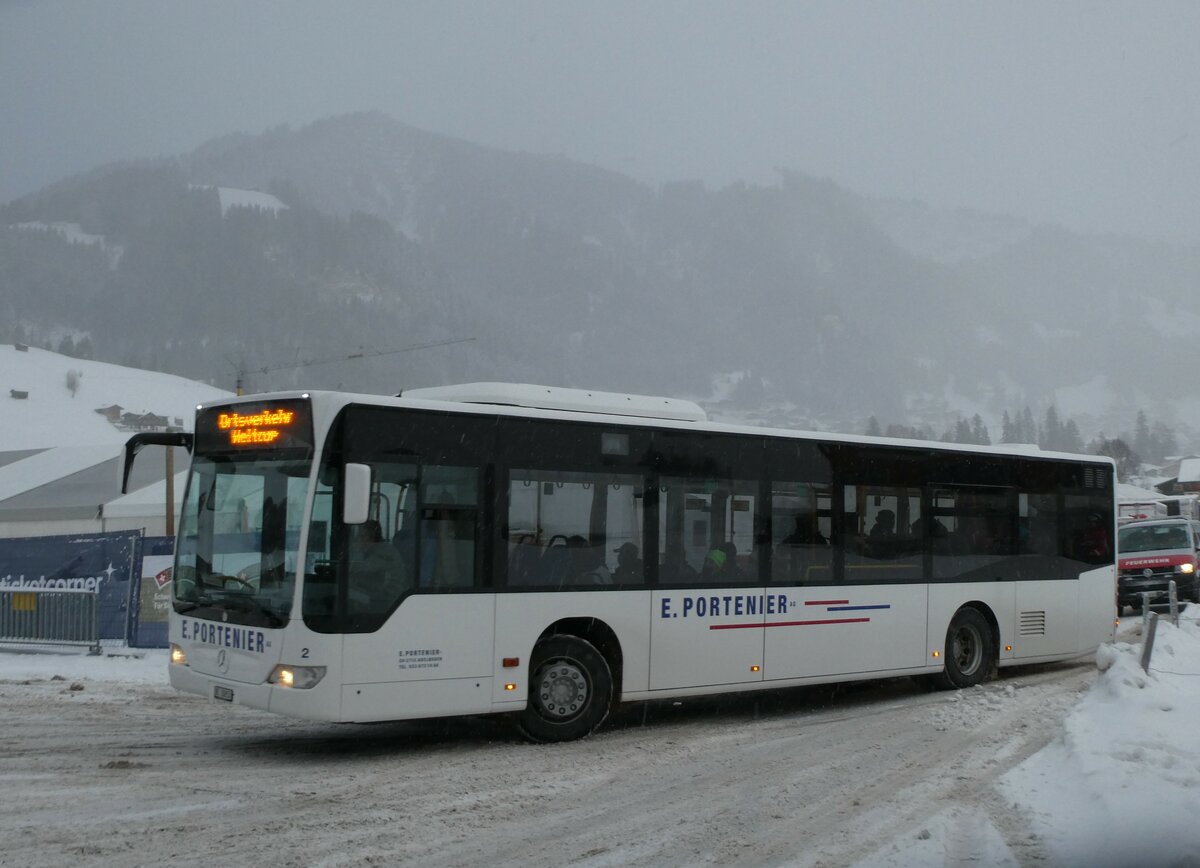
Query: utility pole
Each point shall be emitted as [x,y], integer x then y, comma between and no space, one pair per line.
[171,491]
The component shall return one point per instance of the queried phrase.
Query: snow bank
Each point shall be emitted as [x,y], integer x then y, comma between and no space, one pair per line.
[1121,786]
[142,666]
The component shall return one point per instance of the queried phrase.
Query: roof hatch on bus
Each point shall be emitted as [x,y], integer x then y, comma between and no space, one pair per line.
[555,398]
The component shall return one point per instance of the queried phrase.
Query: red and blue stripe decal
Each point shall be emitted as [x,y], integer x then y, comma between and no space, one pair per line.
[830,606]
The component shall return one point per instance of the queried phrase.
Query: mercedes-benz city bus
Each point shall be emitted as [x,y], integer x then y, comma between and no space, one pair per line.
[550,553]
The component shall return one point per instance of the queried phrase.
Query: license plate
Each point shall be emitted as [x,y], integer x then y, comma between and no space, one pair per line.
[223,693]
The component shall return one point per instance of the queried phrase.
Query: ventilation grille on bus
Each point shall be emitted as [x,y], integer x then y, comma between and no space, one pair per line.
[1094,477]
[1033,624]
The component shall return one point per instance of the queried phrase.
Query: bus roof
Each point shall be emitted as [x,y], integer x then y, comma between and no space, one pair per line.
[556,398]
[543,401]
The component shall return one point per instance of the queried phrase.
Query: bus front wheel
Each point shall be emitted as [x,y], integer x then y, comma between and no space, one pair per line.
[970,651]
[570,690]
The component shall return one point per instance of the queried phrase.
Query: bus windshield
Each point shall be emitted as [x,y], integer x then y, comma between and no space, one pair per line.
[239,538]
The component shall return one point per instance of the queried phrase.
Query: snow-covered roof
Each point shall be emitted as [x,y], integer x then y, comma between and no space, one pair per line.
[42,468]
[147,499]
[1189,470]
[1125,491]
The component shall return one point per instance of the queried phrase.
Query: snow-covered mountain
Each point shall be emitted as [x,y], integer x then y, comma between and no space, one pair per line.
[279,255]
[48,399]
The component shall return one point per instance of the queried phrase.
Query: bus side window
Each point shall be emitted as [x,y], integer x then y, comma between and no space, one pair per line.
[448,527]
[707,531]
[800,525]
[569,529]
[886,533]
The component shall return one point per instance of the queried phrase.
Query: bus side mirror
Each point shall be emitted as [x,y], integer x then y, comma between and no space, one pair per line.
[356,493]
[135,444]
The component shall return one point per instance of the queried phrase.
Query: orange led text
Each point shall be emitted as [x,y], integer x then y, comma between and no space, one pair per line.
[255,429]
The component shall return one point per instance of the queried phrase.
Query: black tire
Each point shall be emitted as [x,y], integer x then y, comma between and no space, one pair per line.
[970,651]
[570,690]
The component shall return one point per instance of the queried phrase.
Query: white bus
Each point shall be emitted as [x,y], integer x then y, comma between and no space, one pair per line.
[550,553]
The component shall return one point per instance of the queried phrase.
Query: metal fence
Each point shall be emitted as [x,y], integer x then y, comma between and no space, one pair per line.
[50,616]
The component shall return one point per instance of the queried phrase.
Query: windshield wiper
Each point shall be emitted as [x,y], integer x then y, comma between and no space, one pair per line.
[182,606]
[250,604]
[244,604]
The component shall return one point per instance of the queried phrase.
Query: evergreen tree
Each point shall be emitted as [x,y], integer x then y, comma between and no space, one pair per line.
[1051,437]
[1118,450]
[907,432]
[873,429]
[1029,430]
[979,431]
[1141,435]
[1071,440]
[1163,442]
[1008,432]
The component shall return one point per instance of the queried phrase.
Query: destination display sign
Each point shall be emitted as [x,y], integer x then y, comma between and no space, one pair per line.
[271,425]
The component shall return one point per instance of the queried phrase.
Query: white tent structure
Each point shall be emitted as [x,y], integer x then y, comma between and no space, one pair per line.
[63,426]
[77,489]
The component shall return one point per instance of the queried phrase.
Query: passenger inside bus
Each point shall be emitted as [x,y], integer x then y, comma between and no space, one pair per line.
[629,565]
[675,566]
[1092,542]
[937,530]
[376,567]
[885,525]
[720,564]
[805,533]
[590,567]
[804,554]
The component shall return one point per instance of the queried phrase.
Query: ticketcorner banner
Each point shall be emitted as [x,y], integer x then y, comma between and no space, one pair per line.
[103,562]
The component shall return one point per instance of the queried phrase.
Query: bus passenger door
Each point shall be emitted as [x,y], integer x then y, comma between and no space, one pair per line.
[708,630]
[419,637]
[872,621]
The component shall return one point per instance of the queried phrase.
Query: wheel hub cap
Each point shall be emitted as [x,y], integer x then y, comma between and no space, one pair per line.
[967,650]
[563,689]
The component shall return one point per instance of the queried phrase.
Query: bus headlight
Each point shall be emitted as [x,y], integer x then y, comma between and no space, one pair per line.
[1186,569]
[178,657]
[296,677]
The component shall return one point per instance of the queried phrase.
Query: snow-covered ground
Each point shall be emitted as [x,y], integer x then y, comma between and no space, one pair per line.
[1118,786]
[1066,765]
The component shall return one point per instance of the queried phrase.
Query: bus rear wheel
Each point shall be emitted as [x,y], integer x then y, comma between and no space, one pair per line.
[970,651]
[570,690]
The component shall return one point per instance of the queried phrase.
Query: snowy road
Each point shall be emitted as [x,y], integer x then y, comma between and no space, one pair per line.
[135,774]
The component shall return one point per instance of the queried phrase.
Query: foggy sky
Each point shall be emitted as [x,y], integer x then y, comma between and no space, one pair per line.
[1082,114]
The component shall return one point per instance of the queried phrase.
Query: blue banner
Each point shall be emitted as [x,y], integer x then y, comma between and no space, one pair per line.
[150,596]
[103,562]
